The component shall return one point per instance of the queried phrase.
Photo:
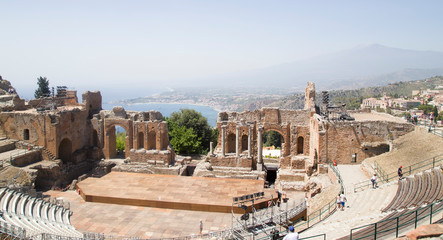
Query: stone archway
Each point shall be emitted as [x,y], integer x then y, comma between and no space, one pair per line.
[110,137]
[65,150]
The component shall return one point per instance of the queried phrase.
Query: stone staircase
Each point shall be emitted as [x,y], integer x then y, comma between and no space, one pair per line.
[361,208]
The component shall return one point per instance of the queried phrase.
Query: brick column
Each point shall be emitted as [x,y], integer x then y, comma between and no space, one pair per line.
[223,140]
[237,143]
[259,146]
[249,140]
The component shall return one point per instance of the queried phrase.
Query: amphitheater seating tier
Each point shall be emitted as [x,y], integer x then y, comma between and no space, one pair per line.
[35,215]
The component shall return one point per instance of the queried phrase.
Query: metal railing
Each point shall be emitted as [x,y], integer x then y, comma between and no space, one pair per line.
[431,128]
[327,209]
[318,236]
[395,225]
[13,231]
[407,171]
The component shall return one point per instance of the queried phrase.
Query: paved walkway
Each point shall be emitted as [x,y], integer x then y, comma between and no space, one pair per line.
[351,174]
[361,208]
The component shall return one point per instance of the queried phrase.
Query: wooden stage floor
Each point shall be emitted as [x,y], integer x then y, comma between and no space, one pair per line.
[173,192]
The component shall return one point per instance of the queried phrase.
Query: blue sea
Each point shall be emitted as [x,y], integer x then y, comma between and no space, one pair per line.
[167,108]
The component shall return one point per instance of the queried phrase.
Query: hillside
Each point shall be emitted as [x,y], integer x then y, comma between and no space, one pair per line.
[353,98]
[411,148]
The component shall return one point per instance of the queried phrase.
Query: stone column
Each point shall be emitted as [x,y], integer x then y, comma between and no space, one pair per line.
[260,149]
[249,140]
[237,142]
[211,150]
[223,140]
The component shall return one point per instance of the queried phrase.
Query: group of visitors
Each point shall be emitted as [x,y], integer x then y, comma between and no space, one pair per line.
[341,199]
[292,234]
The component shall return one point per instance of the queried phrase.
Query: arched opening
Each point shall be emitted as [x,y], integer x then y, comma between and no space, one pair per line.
[272,144]
[300,144]
[140,140]
[152,140]
[120,141]
[94,138]
[244,143]
[65,150]
[26,134]
[230,143]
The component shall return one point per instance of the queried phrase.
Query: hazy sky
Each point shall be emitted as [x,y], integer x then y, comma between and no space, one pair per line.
[88,44]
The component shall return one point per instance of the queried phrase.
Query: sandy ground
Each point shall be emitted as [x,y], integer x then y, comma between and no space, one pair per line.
[411,148]
[376,117]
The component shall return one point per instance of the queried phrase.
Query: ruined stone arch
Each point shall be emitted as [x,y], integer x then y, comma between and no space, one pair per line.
[110,137]
[65,150]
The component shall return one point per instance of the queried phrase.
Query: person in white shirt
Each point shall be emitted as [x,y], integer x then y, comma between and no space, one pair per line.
[291,235]
[374,181]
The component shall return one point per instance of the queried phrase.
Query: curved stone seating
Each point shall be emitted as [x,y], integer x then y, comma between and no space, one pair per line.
[428,179]
[398,196]
[417,192]
[434,188]
[425,189]
[439,176]
[387,226]
[35,215]
[411,192]
[4,201]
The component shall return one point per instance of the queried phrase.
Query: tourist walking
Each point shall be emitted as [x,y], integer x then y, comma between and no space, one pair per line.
[374,181]
[400,173]
[292,235]
[343,200]
[201,226]
[338,202]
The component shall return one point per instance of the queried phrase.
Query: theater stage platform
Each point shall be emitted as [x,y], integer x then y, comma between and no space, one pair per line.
[173,192]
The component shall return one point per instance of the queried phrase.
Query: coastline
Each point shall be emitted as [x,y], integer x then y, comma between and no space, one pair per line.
[217,109]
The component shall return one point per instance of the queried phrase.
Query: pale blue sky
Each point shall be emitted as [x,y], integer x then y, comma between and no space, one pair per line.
[85,44]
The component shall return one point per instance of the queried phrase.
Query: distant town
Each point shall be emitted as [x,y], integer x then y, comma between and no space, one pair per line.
[424,105]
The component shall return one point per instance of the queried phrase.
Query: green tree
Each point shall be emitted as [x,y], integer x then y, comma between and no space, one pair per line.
[43,88]
[193,120]
[435,111]
[426,108]
[272,138]
[185,140]
[120,141]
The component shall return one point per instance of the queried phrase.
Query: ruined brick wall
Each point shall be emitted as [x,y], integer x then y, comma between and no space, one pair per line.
[268,115]
[144,131]
[31,127]
[153,157]
[352,142]
[92,101]
[232,161]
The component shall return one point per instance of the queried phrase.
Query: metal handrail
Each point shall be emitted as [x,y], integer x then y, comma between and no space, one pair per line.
[326,209]
[398,219]
[409,170]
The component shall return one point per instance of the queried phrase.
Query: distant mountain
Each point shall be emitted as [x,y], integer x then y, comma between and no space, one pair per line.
[369,65]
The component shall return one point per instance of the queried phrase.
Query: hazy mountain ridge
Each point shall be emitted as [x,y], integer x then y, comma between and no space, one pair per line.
[370,65]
